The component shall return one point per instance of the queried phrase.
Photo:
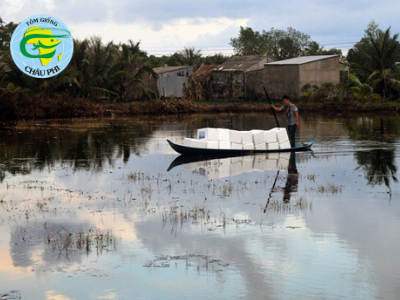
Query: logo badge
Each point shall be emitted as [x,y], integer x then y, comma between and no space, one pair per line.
[42,46]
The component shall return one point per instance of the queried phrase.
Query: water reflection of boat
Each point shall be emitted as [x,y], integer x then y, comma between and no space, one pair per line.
[213,167]
[186,150]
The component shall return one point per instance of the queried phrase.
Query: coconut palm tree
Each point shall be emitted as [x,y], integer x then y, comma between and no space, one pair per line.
[108,71]
[374,57]
[78,69]
[359,90]
[101,58]
[128,73]
[190,57]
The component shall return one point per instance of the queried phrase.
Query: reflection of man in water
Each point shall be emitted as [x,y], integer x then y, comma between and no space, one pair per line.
[292,181]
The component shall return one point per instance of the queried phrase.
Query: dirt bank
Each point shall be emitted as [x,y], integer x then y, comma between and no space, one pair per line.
[68,107]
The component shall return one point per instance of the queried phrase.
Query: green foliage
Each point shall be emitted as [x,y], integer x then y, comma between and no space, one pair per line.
[327,91]
[315,49]
[287,44]
[193,91]
[6,31]
[373,60]
[97,71]
[123,72]
[309,92]
[190,57]
[186,57]
[215,59]
[250,42]
[359,90]
[278,44]
[109,72]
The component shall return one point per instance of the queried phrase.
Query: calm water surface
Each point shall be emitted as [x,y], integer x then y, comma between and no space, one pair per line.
[105,209]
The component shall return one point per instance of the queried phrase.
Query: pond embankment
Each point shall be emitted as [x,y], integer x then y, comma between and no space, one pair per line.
[67,107]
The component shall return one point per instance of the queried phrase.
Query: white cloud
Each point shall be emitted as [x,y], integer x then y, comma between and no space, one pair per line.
[10,8]
[208,24]
[170,37]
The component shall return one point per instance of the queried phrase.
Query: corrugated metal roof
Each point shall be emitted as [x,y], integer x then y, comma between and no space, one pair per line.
[160,70]
[243,63]
[203,73]
[301,60]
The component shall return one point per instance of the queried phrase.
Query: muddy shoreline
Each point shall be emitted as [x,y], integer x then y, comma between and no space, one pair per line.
[83,108]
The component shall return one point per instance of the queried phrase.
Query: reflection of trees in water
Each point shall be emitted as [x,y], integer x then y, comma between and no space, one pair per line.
[58,242]
[89,149]
[373,128]
[379,166]
[25,240]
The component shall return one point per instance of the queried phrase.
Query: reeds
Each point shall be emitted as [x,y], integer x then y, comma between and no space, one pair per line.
[64,241]
[199,262]
[197,213]
[291,206]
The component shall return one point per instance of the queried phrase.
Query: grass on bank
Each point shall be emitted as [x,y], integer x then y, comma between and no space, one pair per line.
[16,107]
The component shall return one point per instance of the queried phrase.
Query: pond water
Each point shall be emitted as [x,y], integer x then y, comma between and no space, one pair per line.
[105,209]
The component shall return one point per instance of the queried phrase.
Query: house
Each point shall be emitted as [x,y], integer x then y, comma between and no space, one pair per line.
[170,80]
[238,76]
[290,75]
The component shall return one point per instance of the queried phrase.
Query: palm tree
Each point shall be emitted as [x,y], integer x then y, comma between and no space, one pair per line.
[134,48]
[78,68]
[108,71]
[101,59]
[385,49]
[374,58]
[190,57]
[361,91]
[128,73]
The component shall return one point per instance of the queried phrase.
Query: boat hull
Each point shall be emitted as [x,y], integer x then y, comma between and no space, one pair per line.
[185,150]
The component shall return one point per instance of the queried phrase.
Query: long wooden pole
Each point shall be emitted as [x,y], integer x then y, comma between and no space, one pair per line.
[270,193]
[273,110]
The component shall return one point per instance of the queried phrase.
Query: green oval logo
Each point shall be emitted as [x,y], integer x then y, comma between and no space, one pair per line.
[41,46]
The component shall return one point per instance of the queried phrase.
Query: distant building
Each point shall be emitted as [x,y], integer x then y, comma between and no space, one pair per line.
[290,75]
[238,76]
[170,80]
[246,76]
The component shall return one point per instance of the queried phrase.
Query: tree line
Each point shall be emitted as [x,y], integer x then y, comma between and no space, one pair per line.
[278,44]
[374,61]
[97,70]
[120,72]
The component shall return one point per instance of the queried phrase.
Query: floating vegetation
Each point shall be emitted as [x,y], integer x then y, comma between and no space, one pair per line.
[243,221]
[12,295]
[311,177]
[136,176]
[64,241]
[282,206]
[330,188]
[196,261]
[226,190]
[178,214]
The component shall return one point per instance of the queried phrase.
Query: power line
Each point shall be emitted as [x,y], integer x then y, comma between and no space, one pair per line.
[211,50]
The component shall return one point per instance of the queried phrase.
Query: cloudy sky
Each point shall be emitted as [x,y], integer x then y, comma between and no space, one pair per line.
[164,27]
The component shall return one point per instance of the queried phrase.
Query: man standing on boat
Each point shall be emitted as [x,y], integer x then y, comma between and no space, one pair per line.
[292,114]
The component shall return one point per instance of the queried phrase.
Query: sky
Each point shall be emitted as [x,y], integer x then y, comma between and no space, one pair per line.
[165,27]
